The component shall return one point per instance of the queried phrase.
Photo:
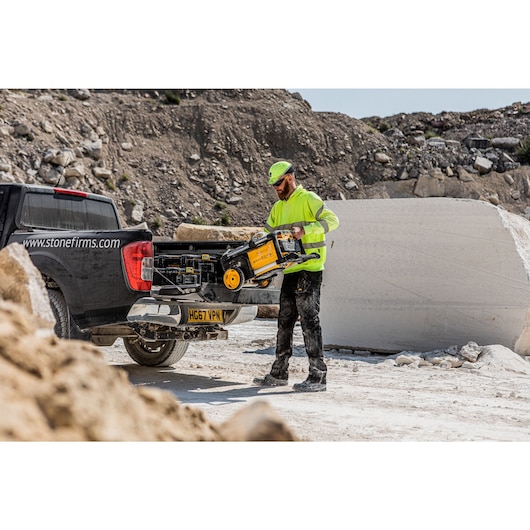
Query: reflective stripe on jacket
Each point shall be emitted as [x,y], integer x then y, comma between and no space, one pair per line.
[305,209]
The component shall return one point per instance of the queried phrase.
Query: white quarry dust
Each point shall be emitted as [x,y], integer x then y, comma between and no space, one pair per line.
[369,397]
[386,476]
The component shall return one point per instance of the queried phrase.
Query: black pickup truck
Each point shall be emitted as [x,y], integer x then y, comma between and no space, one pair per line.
[107,282]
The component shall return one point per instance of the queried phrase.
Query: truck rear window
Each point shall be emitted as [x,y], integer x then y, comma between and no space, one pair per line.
[67,212]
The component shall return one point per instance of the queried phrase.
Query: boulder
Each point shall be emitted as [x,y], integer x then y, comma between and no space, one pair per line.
[509,143]
[482,165]
[22,283]
[191,232]
[424,274]
[256,422]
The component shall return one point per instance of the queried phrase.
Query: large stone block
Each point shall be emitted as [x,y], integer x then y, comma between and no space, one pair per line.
[191,232]
[422,274]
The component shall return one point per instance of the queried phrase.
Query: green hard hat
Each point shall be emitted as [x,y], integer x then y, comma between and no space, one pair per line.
[278,170]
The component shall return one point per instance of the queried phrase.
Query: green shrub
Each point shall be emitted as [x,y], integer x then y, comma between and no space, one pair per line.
[172,98]
[523,153]
[223,221]
[157,222]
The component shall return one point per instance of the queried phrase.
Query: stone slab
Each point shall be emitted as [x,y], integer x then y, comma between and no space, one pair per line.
[423,274]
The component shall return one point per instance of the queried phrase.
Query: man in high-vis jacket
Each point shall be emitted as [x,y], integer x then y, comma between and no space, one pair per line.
[304,213]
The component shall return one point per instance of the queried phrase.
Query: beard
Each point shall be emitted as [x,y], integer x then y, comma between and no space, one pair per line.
[285,191]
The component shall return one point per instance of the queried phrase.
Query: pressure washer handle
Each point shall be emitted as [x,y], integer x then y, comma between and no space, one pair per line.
[300,258]
[306,257]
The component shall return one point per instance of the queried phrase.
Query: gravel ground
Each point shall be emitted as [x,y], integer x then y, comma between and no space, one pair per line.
[440,484]
[368,397]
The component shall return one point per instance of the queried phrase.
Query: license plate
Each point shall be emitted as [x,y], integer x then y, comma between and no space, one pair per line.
[205,315]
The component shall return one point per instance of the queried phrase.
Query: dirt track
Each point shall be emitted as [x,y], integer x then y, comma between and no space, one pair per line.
[368,398]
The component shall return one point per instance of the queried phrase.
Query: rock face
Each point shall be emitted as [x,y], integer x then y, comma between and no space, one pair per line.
[53,389]
[201,156]
[421,275]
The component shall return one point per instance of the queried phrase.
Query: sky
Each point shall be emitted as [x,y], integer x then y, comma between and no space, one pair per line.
[384,102]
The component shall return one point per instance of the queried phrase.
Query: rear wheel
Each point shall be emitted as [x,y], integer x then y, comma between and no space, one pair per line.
[65,327]
[156,353]
[60,312]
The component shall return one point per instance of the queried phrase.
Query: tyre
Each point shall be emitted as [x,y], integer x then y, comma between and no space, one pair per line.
[65,327]
[60,312]
[158,353]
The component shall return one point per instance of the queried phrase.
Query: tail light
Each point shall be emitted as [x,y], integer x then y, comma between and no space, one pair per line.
[138,259]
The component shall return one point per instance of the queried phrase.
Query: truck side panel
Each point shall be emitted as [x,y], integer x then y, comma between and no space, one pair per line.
[87,266]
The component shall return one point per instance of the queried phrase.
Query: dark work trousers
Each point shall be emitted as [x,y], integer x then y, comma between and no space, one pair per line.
[300,296]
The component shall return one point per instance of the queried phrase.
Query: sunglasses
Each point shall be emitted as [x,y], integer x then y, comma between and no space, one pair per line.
[278,183]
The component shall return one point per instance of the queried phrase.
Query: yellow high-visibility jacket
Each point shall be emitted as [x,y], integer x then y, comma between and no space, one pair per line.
[305,209]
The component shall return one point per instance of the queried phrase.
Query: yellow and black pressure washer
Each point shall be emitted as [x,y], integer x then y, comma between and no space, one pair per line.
[261,258]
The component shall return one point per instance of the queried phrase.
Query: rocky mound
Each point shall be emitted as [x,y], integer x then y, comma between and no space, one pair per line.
[201,156]
[53,389]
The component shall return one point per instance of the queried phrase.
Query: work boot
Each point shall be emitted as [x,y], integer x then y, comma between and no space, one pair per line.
[309,386]
[269,380]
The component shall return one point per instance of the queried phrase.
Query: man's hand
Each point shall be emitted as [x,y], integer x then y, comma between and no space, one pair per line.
[298,232]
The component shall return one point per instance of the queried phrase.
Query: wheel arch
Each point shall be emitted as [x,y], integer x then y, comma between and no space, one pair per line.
[56,276]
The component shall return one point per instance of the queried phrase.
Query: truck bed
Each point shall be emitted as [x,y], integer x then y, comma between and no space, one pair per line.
[191,270]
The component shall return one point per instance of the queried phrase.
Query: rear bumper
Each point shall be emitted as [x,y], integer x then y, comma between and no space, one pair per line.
[173,314]
[148,310]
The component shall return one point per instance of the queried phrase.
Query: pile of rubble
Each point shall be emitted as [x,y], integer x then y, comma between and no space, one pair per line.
[53,389]
[201,156]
